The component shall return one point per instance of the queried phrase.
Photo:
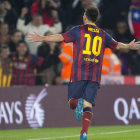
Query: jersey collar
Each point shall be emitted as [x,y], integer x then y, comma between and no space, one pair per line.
[90,23]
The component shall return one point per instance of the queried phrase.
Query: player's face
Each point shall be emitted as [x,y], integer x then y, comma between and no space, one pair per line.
[4,29]
[17,37]
[121,27]
[37,20]
[22,49]
[5,53]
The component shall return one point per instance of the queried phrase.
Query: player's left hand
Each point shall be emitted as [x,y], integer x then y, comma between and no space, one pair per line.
[35,37]
[134,45]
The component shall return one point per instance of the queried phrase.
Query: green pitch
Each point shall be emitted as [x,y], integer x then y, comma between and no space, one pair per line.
[95,133]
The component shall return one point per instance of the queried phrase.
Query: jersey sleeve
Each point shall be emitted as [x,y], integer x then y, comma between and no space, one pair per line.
[71,35]
[110,42]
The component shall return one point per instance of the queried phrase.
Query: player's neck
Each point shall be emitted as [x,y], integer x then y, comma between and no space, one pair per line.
[89,22]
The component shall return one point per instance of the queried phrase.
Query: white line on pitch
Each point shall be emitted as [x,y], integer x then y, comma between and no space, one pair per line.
[117,132]
[104,133]
[51,138]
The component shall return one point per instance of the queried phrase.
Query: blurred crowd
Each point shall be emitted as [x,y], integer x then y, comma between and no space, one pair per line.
[26,63]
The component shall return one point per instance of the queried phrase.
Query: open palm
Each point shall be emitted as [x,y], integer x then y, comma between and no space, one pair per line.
[35,37]
[134,45]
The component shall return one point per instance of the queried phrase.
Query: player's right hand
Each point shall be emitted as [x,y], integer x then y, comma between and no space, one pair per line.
[35,37]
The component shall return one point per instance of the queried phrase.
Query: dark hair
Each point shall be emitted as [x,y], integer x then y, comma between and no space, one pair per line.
[22,41]
[92,13]
[15,31]
[3,47]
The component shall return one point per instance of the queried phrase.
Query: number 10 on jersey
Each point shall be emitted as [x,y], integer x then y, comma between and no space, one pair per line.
[97,43]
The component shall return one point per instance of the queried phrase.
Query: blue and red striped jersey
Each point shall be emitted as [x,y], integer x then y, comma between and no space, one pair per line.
[89,44]
[23,69]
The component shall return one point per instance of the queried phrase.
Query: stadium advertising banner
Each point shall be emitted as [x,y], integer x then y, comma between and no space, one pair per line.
[39,107]
[118,105]
[22,107]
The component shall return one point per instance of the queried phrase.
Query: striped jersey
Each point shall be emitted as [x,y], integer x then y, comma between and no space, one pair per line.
[5,80]
[24,69]
[89,44]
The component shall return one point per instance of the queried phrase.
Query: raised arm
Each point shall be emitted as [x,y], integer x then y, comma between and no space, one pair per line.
[111,43]
[21,21]
[70,36]
[131,46]
[51,38]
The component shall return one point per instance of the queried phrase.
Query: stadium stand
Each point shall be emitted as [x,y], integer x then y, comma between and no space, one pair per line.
[18,18]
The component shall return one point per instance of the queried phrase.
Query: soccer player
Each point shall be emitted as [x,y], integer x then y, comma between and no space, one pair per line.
[89,44]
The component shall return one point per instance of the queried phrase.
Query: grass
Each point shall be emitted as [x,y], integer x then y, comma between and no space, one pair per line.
[95,133]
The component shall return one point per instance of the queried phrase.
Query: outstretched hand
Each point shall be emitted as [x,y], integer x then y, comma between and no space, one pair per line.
[134,45]
[35,37]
